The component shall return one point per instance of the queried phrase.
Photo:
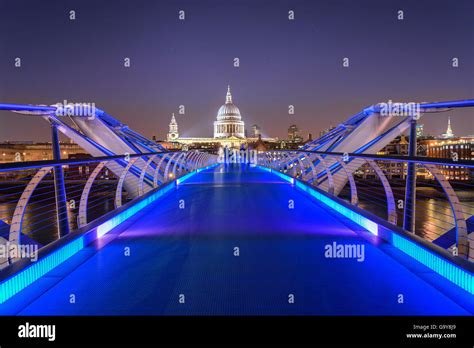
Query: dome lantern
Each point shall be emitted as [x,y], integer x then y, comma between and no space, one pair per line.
[228,98]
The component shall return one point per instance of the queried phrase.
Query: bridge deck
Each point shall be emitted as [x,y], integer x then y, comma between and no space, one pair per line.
[190,251]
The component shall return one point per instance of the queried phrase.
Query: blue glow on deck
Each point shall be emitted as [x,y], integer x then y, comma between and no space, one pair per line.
[24,278]
[443,267]
[125,215]
[128,213]
[187,176]
[362,221]
[178,251]
[279,174]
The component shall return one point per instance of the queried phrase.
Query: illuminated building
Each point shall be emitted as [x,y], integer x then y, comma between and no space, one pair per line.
[461,148]
[31,151]
[229,130]
[294,134]
[449,132]
[173,133]
[229,121]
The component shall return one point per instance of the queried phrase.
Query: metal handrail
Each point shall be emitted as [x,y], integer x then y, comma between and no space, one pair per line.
[12,166]
[396,158]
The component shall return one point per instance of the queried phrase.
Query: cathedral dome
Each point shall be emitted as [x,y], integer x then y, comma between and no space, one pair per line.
[229,121]
[228,110]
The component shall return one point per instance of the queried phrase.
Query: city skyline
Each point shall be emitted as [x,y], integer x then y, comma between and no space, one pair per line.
[308,160]
[282,62]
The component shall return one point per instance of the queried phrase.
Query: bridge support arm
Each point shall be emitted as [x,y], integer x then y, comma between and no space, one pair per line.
[59,186]
[410,192]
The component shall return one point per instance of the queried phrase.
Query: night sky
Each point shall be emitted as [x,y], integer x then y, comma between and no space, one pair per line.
[190,62]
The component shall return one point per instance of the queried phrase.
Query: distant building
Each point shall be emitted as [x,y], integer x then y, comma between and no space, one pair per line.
[461,148]
[255,131]
[260,145]
[446,146]
[398,146]
[393,170]
[293,142]
[31,151]
[229,131]
[419,130]
[294,133]
[173,133]
[449,132]
[229,121]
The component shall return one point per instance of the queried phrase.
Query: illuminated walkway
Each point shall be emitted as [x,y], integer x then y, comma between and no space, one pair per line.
[190,251]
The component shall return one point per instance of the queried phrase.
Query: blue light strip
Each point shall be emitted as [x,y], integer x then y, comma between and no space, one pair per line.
[279,174]
[184,178]
[443,267]
[27,276]
[128,213]
[362,221]
[36,270]
[455,274]
[180,180]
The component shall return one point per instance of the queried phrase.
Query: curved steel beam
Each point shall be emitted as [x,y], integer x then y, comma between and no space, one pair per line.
[462,242]
[313,172]
[14,236]
[199,160]
[181,157]
[118,192]
[282,160]
[350,177]
[283,163]
[202,160]
[82,215]
[143,173]
[328,172]
[157,171]
[267,160]
[192,160]
[166,177]
[391,211]
[302,167]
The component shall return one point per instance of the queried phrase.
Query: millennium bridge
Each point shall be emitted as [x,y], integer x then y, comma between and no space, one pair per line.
[328,229]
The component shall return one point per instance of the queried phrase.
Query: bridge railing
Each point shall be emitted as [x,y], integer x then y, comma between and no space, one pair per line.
[443,207]
[42,201]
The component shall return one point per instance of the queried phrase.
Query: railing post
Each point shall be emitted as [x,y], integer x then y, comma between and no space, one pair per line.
[410,189]
[59,186]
